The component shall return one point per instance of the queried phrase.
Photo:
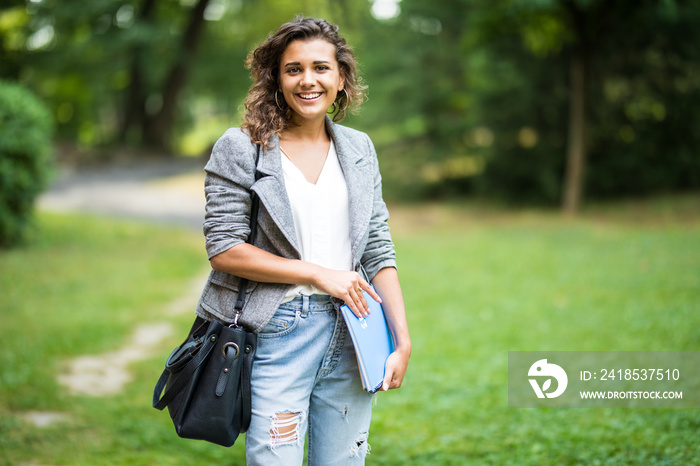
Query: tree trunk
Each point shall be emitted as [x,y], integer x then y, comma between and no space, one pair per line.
[157,129]
[576,150]
[135,103]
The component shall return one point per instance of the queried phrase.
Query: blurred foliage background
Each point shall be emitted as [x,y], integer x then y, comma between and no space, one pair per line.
[536,101]
[25,151]
[540,102]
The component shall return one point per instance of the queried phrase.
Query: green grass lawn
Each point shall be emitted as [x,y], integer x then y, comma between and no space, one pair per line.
[477,283]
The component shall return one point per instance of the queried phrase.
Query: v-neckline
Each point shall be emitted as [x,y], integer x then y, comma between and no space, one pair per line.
[301,173]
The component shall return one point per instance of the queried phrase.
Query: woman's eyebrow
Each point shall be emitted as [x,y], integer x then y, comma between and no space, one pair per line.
[316,62]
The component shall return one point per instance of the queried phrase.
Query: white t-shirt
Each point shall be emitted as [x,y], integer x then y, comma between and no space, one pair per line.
[321,217]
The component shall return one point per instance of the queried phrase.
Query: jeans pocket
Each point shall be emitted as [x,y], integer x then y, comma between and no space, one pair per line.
[282,323]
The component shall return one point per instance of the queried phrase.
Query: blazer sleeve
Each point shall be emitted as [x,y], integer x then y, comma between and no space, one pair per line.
[379,252]
[230,173]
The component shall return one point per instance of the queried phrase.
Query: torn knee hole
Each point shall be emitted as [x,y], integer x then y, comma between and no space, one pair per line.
[362,439]
[285,428]
[360,446]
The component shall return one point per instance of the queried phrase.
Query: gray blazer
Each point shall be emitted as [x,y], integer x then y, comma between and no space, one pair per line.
[230,179]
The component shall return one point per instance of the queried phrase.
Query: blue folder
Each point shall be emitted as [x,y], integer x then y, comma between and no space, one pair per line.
[372,340]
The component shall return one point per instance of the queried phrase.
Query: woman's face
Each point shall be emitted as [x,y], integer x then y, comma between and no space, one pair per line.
[310,78]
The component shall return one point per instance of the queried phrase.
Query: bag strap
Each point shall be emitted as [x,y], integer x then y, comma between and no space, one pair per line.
[243,286]
[183,377]
[245,392]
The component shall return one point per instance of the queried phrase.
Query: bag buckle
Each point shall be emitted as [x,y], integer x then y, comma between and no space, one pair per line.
[235,320]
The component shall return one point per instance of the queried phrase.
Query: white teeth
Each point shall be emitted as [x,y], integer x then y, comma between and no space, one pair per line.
[310,96]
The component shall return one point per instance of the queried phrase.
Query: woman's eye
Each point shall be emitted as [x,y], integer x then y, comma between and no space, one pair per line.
[292,70]
[322,68]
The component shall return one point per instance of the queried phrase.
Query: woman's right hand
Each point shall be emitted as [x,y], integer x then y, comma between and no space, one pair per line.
[247,261]
[348,286]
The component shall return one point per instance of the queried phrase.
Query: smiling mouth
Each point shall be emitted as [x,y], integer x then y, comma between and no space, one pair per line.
[310,96]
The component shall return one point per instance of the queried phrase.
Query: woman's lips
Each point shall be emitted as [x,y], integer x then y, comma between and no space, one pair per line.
[307,96]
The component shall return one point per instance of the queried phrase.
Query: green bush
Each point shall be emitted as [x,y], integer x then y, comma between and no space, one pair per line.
[25,158]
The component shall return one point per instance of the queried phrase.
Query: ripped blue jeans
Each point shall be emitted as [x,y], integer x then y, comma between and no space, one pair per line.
[306,382]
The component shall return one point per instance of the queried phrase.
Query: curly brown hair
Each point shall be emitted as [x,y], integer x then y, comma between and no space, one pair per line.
[264,117]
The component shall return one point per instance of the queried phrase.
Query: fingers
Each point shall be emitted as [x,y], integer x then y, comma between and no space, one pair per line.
[386,383]
[390,381]
[349,287]
[368,288]
[394,371]
[357,302]
[388,374]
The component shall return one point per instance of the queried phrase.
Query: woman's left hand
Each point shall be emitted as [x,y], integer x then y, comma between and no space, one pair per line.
[386,281]
[395,369]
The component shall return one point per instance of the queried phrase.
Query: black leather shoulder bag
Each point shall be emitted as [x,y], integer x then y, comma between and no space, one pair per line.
[207,378]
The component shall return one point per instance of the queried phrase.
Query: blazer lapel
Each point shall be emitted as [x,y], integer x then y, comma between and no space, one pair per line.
[359,178]
[272,192]
[357,169]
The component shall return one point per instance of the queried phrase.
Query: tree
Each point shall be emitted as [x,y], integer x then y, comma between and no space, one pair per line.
[489,97]
[588,24]
[120,70]
[135,102]
[157,128]
[608,46]
[100,51]
[516,98]
[11,38]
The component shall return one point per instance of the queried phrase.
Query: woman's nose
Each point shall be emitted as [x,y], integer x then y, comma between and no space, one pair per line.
[307,78]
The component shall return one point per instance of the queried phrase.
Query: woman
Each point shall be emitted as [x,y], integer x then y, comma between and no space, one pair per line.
[322,234]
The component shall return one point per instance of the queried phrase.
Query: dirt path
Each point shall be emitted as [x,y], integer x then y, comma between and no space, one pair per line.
[106,374]
[169,191]
[162,191]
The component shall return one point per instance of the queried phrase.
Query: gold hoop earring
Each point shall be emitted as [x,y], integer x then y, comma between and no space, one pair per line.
[336,103]
[277,102]
[347,101]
